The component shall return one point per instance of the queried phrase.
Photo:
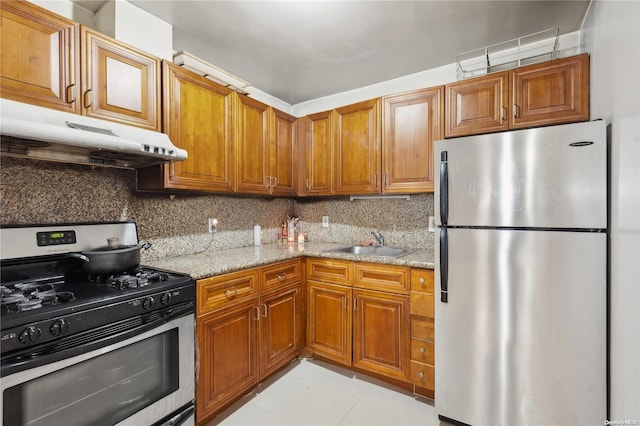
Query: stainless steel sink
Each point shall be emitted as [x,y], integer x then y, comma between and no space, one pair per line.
[383,251]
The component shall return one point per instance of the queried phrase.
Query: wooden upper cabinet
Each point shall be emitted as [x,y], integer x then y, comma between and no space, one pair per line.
[477,105]
[197,116]
[119,83]
[357,148]
[252,146]
[551,92]
[39,57]
[284,154]
[317,155]
[411,123]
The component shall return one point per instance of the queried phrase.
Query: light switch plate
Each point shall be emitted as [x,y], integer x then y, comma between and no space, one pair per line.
[325,221]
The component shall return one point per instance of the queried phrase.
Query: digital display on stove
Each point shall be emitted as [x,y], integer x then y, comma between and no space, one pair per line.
[54,238]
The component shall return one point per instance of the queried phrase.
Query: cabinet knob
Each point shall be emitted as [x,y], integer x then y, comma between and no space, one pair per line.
[421,375]
[421,280]
[422,351]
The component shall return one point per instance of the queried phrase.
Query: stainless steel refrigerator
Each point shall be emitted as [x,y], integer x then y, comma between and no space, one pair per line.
[521,277]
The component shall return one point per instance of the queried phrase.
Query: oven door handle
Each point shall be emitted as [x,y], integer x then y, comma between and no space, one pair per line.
[184,414]
[94,339]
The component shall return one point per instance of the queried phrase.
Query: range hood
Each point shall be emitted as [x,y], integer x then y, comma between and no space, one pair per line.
[31,131]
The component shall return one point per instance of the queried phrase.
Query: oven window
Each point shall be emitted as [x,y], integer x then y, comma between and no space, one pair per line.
[99,391]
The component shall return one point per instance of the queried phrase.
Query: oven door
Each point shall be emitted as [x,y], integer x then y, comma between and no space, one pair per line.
[136,381]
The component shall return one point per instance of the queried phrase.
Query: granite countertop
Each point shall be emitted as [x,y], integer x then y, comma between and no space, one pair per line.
[216,262]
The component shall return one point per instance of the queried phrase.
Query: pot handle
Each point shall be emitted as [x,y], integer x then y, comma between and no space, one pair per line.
[79,256]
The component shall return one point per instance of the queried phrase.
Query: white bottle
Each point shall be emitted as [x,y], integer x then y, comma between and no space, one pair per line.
[256,235]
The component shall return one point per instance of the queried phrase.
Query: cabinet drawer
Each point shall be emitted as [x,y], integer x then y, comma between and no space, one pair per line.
[217,292]
[331,271]
[422,374]
[422,304]
[382,277]
[422,280]
[279,275]
[422,351]
[422,328]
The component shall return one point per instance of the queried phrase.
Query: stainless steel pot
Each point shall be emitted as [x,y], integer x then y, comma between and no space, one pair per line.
[111,258]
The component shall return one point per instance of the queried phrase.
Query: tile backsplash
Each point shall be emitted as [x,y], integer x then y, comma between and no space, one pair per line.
[39,192]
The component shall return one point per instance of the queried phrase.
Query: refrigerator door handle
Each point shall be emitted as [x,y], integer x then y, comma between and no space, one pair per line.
[444,266]
[444,188]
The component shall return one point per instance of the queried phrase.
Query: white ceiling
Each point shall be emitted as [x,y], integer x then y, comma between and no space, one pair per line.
[302,50]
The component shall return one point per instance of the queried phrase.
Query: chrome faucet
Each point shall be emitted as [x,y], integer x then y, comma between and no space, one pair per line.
[378,236]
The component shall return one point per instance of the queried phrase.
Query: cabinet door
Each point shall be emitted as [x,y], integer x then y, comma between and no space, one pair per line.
[477,105]
[119,83]
[357,148]
[318,155]
[283,175]
[412,122]
[551,92]
[381,333]
[228,356]
[252,145]
[197,116]
[40,57]
[329,321]
[280,328]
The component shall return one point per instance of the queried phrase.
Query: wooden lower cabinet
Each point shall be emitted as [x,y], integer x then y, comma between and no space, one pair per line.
[349,323]
[244,336]
[422,364]
[329,321]
[281,326]
[381,333]
[228,356]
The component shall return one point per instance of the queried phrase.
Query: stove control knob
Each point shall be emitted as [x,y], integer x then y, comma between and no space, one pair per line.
[30,334]
[165,299]
[148,303]
[59,327]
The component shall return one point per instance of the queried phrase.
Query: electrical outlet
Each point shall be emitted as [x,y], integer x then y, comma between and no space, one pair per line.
[432,224]
[325,221]
[213,225]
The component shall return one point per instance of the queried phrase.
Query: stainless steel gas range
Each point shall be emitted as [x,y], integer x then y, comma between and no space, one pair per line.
[87,349]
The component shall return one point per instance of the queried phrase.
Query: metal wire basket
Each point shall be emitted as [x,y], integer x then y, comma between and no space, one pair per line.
[532,48]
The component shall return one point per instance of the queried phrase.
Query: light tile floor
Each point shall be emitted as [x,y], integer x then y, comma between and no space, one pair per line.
[311,392]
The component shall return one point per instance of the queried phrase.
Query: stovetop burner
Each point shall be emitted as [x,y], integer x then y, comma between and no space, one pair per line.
[140,277]
[29,295]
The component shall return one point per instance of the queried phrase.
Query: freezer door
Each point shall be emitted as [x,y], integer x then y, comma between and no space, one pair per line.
[522,338]
[549,177]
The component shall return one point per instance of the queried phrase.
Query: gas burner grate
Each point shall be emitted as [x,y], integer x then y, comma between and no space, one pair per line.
[130,279]
[20,297]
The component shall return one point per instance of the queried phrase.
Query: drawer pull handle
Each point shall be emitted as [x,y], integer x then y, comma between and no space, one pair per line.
[422,351]
[230,293]
[503,116]
[421,375]
[282,277]
[257,308]
[264,306]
